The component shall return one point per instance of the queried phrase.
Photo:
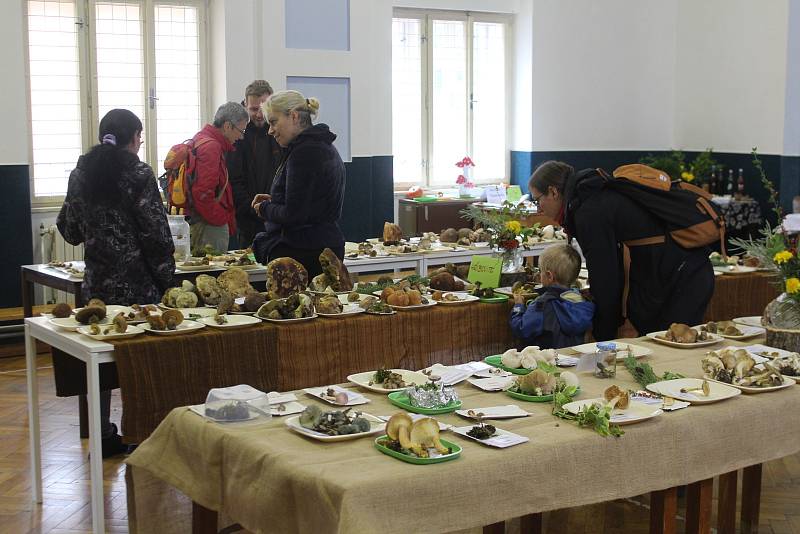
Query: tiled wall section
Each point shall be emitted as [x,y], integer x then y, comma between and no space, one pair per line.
[15,222]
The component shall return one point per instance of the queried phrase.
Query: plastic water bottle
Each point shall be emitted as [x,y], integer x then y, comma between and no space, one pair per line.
[179,229]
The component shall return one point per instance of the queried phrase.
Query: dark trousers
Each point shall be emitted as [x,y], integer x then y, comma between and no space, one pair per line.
[308,257]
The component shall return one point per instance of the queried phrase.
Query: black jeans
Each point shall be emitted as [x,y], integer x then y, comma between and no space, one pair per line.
[308,257]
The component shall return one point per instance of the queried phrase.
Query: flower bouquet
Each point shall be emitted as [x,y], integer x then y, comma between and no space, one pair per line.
[506,233]
[776,250]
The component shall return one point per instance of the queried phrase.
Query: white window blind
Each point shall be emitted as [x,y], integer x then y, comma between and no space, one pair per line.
[449,69]
[90,56]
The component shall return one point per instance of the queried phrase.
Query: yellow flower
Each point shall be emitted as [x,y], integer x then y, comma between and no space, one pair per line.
[782,257]
[792,285]
[688,176]
[514,226]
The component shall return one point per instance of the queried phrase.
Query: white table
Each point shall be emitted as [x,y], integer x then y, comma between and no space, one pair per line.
[386,263]
[433,259]
[92,353]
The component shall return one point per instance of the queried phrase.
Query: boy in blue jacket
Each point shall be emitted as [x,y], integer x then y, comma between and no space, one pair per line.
[560,316]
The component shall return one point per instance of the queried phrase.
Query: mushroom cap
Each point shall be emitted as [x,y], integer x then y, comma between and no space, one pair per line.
[84,315]
[424,430]
[613,392]
[396,422]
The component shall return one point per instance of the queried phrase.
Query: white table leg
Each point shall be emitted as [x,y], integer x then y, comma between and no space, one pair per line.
[95,446]
[33,415]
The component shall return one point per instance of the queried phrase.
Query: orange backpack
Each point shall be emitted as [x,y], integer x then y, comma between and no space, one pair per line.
[178,177]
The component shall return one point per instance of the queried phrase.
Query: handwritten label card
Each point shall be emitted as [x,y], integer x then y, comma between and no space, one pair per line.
[495,194]
[486,270]
[513,194]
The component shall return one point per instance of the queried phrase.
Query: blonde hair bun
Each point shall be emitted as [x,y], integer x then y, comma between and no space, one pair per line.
[313,105]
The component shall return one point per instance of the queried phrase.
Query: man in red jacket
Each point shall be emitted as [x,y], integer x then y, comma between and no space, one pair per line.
[213,214]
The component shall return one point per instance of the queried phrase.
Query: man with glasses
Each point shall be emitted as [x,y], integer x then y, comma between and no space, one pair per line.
[212,216]
[253,164]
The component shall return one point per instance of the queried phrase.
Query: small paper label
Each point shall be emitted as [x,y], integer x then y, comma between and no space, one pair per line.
[495,194]
[513,194]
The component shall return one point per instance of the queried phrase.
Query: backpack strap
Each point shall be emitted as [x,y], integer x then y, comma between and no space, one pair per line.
[626,264]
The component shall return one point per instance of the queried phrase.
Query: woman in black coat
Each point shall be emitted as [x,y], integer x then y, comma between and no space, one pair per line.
[668,283]
[305,203]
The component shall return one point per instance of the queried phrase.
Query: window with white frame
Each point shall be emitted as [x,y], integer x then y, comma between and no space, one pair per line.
[448,96]
[89,56]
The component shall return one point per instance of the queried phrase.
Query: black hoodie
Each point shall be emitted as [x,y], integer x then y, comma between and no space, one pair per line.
[307,196]
[668,283]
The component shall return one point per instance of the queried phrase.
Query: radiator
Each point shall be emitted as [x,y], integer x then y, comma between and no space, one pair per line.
[54,248]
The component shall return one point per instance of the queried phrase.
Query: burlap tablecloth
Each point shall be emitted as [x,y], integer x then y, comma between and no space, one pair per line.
[159,373]
[270,479]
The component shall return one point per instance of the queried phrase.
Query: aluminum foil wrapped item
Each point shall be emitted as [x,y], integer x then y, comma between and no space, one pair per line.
[431,395]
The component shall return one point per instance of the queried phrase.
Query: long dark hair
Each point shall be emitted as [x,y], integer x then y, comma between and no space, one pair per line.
[106,162]
[550,173]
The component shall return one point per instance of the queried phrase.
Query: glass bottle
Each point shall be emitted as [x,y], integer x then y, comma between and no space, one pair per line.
[740,183]
[730,186]
[606,360]
[712,181]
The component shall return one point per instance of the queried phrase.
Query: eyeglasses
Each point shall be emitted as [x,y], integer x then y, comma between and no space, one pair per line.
[235,128]
[536,199]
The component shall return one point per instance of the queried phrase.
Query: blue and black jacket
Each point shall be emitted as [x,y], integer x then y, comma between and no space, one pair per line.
[559,318]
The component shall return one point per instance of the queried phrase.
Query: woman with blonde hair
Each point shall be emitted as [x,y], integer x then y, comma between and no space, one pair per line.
[302,210]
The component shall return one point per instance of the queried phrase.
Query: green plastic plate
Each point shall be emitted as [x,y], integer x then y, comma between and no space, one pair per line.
[426,199]
[399,398]
[533,398]
[421,461]
[495,361]
[495,299]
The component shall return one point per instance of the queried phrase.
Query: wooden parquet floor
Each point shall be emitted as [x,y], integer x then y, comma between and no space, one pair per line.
[66,508]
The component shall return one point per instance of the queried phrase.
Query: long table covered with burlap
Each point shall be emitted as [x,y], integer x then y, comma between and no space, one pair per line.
[157,373]
[269,479]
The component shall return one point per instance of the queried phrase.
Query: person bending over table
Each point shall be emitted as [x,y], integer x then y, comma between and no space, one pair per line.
[114,208]
[668,283]
[303,208]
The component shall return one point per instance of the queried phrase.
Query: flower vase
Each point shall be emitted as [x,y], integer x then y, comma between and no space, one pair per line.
[512,260]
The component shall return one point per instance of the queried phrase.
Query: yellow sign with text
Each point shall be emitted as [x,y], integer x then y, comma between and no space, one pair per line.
[486,270]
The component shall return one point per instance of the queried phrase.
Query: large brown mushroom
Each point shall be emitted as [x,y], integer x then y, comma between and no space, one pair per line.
[425,433]
[398,428]
[616,397]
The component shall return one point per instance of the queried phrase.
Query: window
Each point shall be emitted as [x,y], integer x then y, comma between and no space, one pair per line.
[89,56]
[448,96]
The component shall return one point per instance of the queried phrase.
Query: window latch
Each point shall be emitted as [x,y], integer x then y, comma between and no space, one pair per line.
[152,98]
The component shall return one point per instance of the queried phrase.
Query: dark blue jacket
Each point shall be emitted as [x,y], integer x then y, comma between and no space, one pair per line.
[560,317]
[307,196]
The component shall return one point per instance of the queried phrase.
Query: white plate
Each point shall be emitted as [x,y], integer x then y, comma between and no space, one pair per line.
[347,311]
[672,388]
[501,439]
[462,299]
[508,411]
[377,425]
[289,408]
[638,350]
[713,338]
[353,398]
[183,328]
[69,323]
[189,268]
[747,331]
[753,320]
[111,309]
[735,269]
[409,377]
[758,349]
[130,332]
[234,321]
[299,319]
[416,306]
[636,411]
[787,382]
[201,311]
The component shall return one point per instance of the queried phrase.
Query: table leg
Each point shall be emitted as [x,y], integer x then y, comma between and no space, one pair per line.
[204,521]
[27,296]
[751,498]
[95,446]
[531,524]
[33,415]
[495,528]
[698,506]
[663,509]
[726,507]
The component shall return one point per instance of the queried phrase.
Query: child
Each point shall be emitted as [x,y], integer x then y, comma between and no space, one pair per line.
[560,316]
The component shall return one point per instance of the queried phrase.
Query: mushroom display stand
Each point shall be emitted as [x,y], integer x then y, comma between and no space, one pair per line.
[780,338]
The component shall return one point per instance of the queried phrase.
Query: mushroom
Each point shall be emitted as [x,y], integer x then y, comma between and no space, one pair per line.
[537,382]
[744,365]
[172,318]
[61,310]
[425,433]
[728,359]
[90,314]
[120,324]
[705,388]
[511,359]
[616,397]
[398,428]
[570,378]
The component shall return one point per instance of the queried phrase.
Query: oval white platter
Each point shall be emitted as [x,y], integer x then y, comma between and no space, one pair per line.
[409,377]
[347,311]
[672,388]
[462,299]
[233,321]
[190,268]
[636,412]
[184,328]
[69,323]
[130,332]
[713,338]
[377,426]
[753,320]
[787,382]
[747,332]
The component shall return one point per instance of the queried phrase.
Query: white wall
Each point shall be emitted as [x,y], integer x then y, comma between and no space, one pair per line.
[603,74]
[731,75]
[15,136]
